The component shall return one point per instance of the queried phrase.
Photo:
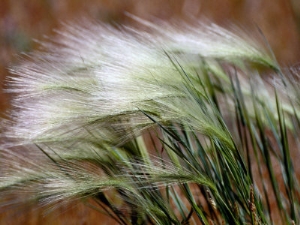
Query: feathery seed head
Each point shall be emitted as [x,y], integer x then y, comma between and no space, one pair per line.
[83,100]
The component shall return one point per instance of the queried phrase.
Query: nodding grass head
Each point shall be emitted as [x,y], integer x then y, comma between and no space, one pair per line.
[81,104]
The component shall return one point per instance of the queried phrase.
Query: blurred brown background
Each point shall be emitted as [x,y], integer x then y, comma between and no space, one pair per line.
[21,21]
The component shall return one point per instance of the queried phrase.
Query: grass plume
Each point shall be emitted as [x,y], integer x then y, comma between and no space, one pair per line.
[224,135]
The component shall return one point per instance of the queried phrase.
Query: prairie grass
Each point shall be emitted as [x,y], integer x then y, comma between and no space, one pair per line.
[180,125]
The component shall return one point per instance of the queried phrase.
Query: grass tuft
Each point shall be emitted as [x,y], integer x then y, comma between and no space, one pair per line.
[223,135]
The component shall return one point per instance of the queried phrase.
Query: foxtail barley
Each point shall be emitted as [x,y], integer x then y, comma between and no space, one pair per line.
[86,106]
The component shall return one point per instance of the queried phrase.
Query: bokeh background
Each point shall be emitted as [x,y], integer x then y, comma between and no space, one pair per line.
[22,21]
